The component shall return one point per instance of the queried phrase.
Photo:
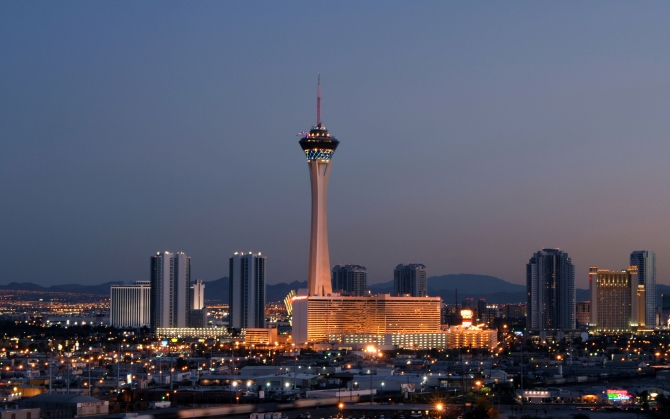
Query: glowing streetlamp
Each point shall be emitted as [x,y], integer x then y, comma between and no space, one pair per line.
[439,408]
[234,384]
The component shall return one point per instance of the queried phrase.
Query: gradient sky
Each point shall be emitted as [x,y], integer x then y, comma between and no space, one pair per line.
[472,135]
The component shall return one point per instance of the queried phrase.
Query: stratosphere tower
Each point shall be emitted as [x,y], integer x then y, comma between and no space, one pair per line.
[319,147]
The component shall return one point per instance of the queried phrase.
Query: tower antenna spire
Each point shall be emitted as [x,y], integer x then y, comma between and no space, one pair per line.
[318,99]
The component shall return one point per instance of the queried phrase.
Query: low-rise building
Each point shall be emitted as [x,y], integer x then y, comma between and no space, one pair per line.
[65,406]
[20,413]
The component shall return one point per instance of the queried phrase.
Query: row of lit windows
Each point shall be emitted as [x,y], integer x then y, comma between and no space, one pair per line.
[372,316]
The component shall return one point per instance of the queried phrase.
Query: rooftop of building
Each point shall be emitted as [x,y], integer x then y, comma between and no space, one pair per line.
[62,399]
[371,297]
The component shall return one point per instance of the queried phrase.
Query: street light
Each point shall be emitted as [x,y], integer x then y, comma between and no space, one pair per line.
[234,384]
[440,409]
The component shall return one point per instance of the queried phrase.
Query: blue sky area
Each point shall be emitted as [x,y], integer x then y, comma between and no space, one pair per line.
[472,135]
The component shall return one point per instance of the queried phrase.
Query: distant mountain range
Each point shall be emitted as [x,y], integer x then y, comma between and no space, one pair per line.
[494,290]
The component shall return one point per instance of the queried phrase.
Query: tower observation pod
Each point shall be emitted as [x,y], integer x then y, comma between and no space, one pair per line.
[319,147]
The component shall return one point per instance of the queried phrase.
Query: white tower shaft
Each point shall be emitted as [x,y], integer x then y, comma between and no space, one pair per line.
[318,279]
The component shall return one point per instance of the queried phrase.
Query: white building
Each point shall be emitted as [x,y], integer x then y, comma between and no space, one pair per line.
[170,290]
[246,276]
[198,295]
[130,305]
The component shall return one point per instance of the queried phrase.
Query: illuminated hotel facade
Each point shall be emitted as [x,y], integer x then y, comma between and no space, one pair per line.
[617,300]
[402,322]
[471,338]
[334,317]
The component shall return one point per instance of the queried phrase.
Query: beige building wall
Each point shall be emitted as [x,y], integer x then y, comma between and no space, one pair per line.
[614,300]
[379,315]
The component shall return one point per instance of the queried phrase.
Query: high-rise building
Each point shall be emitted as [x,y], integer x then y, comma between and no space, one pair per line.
[197,295]
[410,280]
[198,312]
[130,305]
[170,290]
[615,300]
[246,277]
[319,147]
[350,279]
[481,310]
[645,260]
[550,285]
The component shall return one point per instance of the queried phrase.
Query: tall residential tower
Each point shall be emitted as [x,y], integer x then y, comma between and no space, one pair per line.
[351,279]
[645,260]
[170,290]
[246,276]
[319,147]
[550,284]
[410,280]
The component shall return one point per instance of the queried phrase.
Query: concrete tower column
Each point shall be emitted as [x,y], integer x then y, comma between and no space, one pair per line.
[318,277]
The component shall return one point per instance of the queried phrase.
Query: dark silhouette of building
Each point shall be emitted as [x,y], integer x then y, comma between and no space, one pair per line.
[349,279]
[410,280]
[645,260]
[550,285]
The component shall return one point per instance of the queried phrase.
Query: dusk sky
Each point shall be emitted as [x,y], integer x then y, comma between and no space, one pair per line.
[472,135]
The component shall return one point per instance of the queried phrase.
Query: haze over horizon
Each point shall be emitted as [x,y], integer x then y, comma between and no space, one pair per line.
[472,135]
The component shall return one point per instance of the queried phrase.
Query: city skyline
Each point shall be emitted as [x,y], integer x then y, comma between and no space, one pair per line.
[155,126]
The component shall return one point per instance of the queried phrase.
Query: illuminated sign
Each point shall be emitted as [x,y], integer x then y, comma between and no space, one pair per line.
[467,318]
[618,395]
